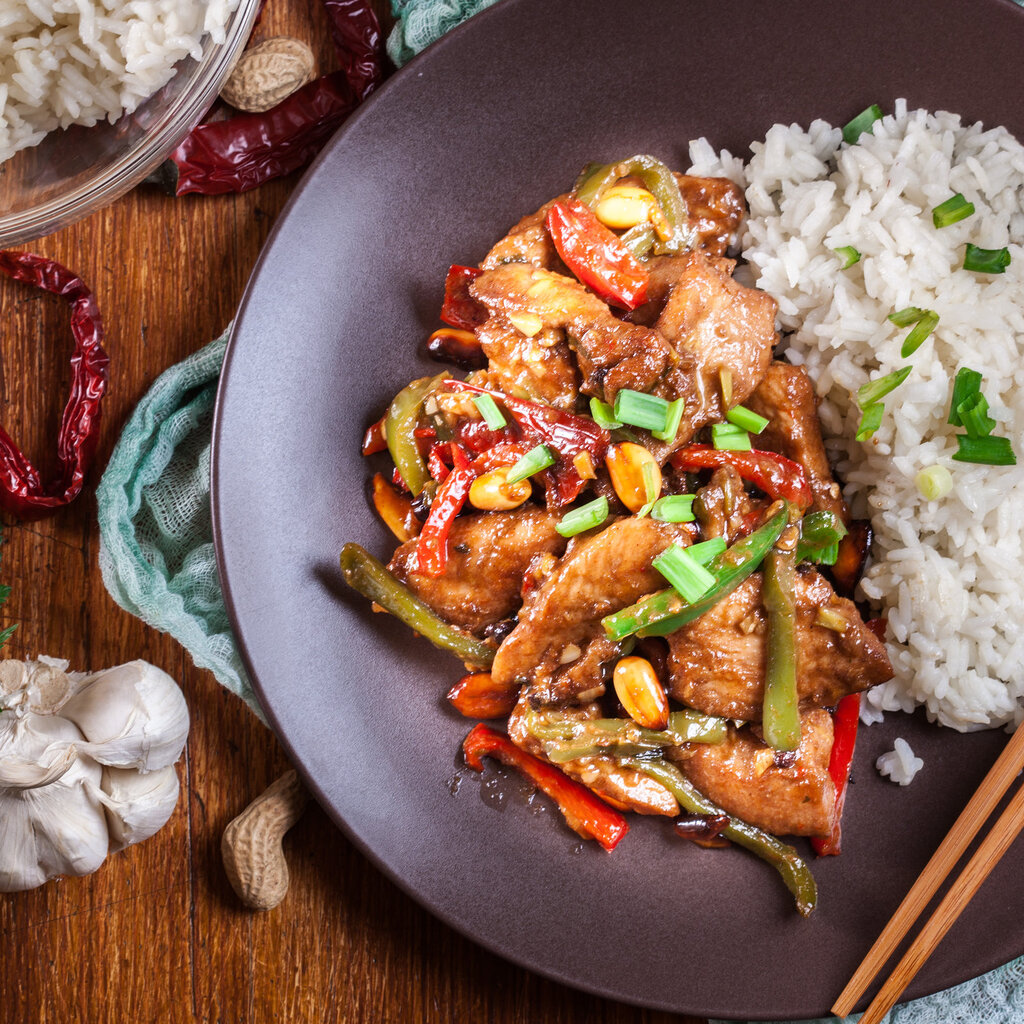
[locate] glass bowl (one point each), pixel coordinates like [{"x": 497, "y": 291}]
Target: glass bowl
[{"x": 76, "y": 171}]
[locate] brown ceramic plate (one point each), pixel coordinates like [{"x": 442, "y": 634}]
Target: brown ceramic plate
[{"x": 496, "y": 118}]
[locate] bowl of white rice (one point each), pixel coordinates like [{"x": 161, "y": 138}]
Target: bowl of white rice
[{"x": 94, "y": 94}]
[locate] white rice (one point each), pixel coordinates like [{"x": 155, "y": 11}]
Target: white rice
[
  {"x": 65, "y": 62},
  {"x": 900, "y": 764},
  {"x": 949, "y": 574}
]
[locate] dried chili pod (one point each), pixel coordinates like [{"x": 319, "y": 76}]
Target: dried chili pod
[
  {"x": 22, "y": 491},
  {"x": 357, "y": 40}
]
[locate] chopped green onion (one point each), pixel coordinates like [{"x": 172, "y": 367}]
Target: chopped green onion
[
  {"x": 746, "y": 419},
  {"x": 906, "y": 317},
  {"x": 532, "y": 462},
  {"x": 966, "y": 383},
  {"x": 953, "y": 209},
  {"x": 912, "y": 342},
  {"x": 870, "y": 420},
  {"x": 988, "y": 451},
  {"x": 674, "y": 508},
  {"x": 688, "y": 577},
  {"x": 490, "y": 411},
  {"x": 586, "y": 517},
  {"x": 652, "y": 488},
  {"x": 849, "y": 254},
  {"x": 602, "y": 414},
  {"x": 870, "y": 393},
  {"x": 973, "y": 415},
  {"x": 986, "y": 261},
  {"x": 707, "y": 549},
  {"x": 729, "y": 438},
  {"x": 672, "y": 420},
  {"x": 854, "y": 129},
  {"x": 820, "y": 534},
  {"x": 934, "y": 482},
  {"x": 641, "y": 410}
]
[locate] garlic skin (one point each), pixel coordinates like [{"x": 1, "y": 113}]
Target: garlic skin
[{"x": 86, "y": 764}]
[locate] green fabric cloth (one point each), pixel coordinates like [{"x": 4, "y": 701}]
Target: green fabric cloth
[{"x": 156, "y": 537}]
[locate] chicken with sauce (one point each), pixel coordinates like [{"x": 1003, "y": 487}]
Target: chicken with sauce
[{"x": 623, "y": 521}]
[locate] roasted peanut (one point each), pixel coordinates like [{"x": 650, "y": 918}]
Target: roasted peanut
[
  {"x": 633, "y": 484},
  {"x": 640, "y": 692}
]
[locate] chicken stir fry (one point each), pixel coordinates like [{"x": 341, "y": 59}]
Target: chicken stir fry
[{"x": 624, "y": 522}]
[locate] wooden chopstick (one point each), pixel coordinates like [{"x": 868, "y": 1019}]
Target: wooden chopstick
[
  {"x": 965, "y": 828},
  {"x": 985, "y": 858}
]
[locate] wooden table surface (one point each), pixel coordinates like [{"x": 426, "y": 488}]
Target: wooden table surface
[{"x": 157, "y": 934}]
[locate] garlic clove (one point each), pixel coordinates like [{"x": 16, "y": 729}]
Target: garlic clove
[
  {"x": 134, "y": 716},
  {"x": 39, "y": 686},
  {"x": 138, "y": 805}
]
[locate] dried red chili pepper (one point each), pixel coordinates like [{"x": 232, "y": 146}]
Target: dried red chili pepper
[
  {"x": 776, "y": 475},
  {"x": 432, "y": 546},
  {"x": 22, "y": 491},
  {"x": 844, "y": 740},
  {"x": 460, "y": 309}
]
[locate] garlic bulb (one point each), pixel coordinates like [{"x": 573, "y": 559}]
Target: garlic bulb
[{"x": 86, "y": 764}]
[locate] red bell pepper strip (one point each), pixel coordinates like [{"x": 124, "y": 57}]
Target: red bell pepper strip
[
  {"x": 432, "y": 545},
  {"x": 776, "y": 475},
  {"x": 585, "y": 813},
  {"x": 844, "y": 739},
  {"x": 22, "y": 491},
  {"x": 374, "y": 440},
  {"x": 436, "y": 464},
  {"x": 595, "y": 254},
  {"x": 460, "y": 309}
]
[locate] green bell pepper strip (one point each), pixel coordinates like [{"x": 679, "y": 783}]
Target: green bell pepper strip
[
  {"x": 664, "y": 612},
  {"x": 672, "y": 230},
  {"x": 399, "y": 426},
  {"x": 794, "y": 872},
  {"x": 781, "y": 709},
  {"x": 372, "y": 579}
]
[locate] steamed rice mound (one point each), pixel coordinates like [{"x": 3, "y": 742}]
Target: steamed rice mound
[
  {"x": 65, "y": 62},
  {"x": 948, "y": 574}
]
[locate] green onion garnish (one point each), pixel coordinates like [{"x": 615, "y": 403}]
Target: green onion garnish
[
  {"x": 641, "y": 410},
  {"x": 586, "y": 517},
  {"x": 953, "y": 209},
  {"x": 912, "y": 342},
  {"x": 674, "y": 508},
  {"x": 966, "y": 383},
  {"x": 870, "y": 393},
  {"x": 727, "y": 437},
  {"x": 973, "y": 415},
  {"x": 706, "y": 550},
  {"x": 746, "y": 419},
  {"x": 870, "y": 420},
  {"x": 986, "y": 261},
  {"x": 934, "y": 482},
  {"x": 602, "y": 414},
  {"x": 490, "y": 411},
  {"x": 906, "y": 317},
  {"x": 820, "y": 534},
  {"x": 849, "y": 256},
  {"x": 532, "y": 462},
  {"x": 652, "y": 488},
  {"x": 988, "y": 451},
  {"x": 854, "y": 129},
  {"x": 672, "y": 420},
  {"x": 688, "y": 577}
]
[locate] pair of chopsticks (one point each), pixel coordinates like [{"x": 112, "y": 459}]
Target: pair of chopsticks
[{"x": 985, "y": 858}]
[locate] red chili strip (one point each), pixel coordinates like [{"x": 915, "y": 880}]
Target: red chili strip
[
  {"x": 776, "y": 475},
  {"x": 374, "y": 440},
  {"x": 432, "y": 546},
  {"x": 585, "y": 813},
  {"x": 596, "y": 255},
  {"x": 477, "y": 695},
  {"x": 22, "y": 492},
  {"x": 460, "y": 309},
  {"x": 844, "y": 740},
  {"x": 436, "y": 464}
]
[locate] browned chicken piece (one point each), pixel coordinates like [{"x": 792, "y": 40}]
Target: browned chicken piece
[
  {"x": 716, "y": 324},
  {"x": 611, "y": 354},
  {"x": 743, "y": 777},
  {"x": 716, "y": 663},
  {"x": 559, "y": 647},
  {"x": 540, "y": 367},
  {"x": 786, "y": 399},
  {"x": 715, "y": 207},
  {"x": 488, "y": 555},
  {"x": 624, "y": 788},
  {"x": 527, "y": 242},
  {"x": 723, "y": 505},
  {"x": 664, "y": 272}
]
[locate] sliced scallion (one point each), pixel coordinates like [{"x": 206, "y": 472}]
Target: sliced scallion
[
  {"x": 934, "y": 482},
  {"x": 603, "y": 415},
  {"x": 532, "y": 462},
  {"x": 746, "y": 419},
  {"x": 953, "y": 209},
  {"x": 966, "y": 383},
  {"x": 862, "y": 123},
  {"x": 490, "y": 411},
  {"x": 913, "y": 341},
  {"x": 641, "y": 410},
  {"x": 707, "y": 549},
  {"x": 870, "y": 393},
  {"x": 973, "y": 415},
  {"x": 986, "y": 261},
  {"x": 906, "y": 317},
  {"x": 652, "y": 488},
  {"x": 988, "y": 451},
  {"x": 820, "y": 534},
  {"x": 688, "y": 577},
  {"x": 672, "y": 420},
  {"x": 584, "y": 518},
  {"x": 849, "y": 256},
  {"x": 727, "y": 437},
  {"x": 674, "y": 508},
  {"x": 870, "y": 420}
]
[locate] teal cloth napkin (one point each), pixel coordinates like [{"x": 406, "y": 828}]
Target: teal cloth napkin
[{"x": 156, "y": 538}]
